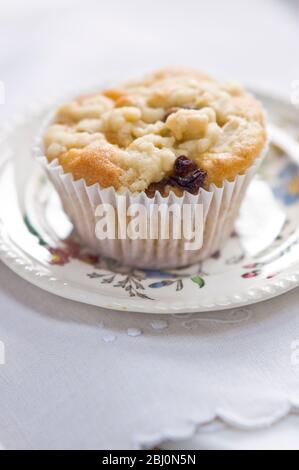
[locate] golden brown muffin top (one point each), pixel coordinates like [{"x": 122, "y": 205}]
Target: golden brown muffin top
[{"x": 147, "y": 131}]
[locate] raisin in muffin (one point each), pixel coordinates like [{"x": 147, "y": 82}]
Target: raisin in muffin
[
  {"x": 176, "y": 131},
  {"x": 130, "y": 137}
]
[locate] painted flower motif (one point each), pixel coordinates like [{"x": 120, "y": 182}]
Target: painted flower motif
[
  {"x": 131, "y": 282},
  {"x": 58, "y": 257},
  {"x": 88, "y": 258},
  {"x": 252, "y": 274},
  {"x": 199, "y": 281},
  {"x": 72, "y": 247},
  {"x": 72, "y": 250},
  {"x": 159, "y": 284},
  {"x": 288, "y": 189},
  {"x": 272, "y": 275}
]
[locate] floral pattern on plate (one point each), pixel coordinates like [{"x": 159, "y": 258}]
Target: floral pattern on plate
[
  {"x": 143, "y": 283},
  {"x": 36, "y": 241}
]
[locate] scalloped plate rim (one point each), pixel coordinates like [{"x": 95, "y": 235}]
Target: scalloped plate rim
[
  {"x": 162, "y": 308},
  {"x": 280, "y": 285}
]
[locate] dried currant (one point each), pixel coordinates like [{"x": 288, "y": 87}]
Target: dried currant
[
  {"x": 186, "y": 176},
  {"x": 191, "y": 182},
  {"x": 153, "y": 187},
  {"x": 183, "y": 166}
]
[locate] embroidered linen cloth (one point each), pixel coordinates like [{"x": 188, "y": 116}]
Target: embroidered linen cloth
[{"x": 77, "y": 376}]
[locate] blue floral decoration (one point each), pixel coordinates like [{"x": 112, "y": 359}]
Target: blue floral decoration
[{"x": 288, "y": 188}]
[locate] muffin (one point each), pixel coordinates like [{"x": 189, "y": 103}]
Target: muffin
[{"x": 175, "y": 135}]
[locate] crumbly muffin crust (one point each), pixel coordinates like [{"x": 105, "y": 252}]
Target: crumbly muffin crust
[{"x": 131, "y": 136}]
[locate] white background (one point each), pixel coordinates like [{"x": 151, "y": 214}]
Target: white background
[{"x": 50, "y": 46}]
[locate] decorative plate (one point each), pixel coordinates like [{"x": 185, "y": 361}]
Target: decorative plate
[{"x": 260, "y": 261}]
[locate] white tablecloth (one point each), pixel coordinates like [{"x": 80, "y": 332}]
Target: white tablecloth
[
  {"x": 73, "y": 377},
  {"x": 280, "y": 436}
]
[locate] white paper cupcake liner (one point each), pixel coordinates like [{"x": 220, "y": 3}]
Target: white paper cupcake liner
[{"x": 220, "y": 210}]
